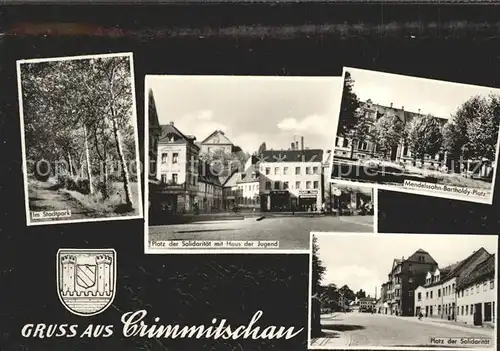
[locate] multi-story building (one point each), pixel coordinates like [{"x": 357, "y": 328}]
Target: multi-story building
[
  {"x": 476, "y": 295},
  {"x": 176, "y": 187},
  {"x": 405, "y": 276},
  {"x": 291, "y": 179},
  {"x": 436, "y": 297},
  {"x": 210, "y": 190},
  {"x": 217, "y": 142},
  {"x": 367, "y": 304},
  {"x": 366, "y": 147}
]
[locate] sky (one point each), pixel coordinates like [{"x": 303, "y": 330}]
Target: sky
[
  {"x": 364, "y": 261},
  {"x": 251, "y": 110},
  {"x": 438, "y": 98}
]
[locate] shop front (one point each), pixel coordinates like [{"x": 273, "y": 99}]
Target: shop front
[
  {"x": 275, "y": 201},
  {"x": 308, "y": 200}
]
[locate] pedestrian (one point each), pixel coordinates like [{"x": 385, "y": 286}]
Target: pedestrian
[{"x": 420, "y": 315}]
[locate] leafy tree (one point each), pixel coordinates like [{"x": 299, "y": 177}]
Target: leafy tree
[
  {"x": 388, "y": 133},
  {"x": 347, "y": 293},
  {"x": 261, "y": 149},
  {"x": 360, "y": 130},
  {"x": 454, "y": 140},
  {"x": 318, "y": 270},
  {"x": 424, "y": 137},
  {"x": 361, "y": 294},
  {"x": 348, "y": 117}
]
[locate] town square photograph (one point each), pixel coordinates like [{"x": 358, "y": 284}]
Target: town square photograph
[
  {"x": 243, "y": 162},
  {"x": 421, "y": 291},
  {"x": 417, "y": 135},
  {"x": 79, "y": 139}
]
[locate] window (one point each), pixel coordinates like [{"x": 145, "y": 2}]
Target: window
[
  {"x": 268, "y": 185},
  {"x": 315, "y": 170},
  {"x": 316, "y": 184},
  {"x": 453, "y": 288},
  {"x": 477, "y": 288},
  {"x": 462, "y": 313},
  {"x": 285, "y": 185},
  {"x": 268, "y": 170},
  {"x": 297, "y": 170},
  {"x": 285, "y": 170},
  {"x": 164, "y": 158},
  {"x": 467, "y": 310},
  {"x": 308, "y": 185},
  {"x": 471, "y": 309},
  {"x": 419, "y": 296},
  {"x": 492, "y": 284},
  {"x": 276, "y": 170},
  {"x": 485, "y": 286},
  {"x": 466, "y": 292},
  {"x": 410, "y": 293},
  {"x": 308, "y": 170},
  {"x": 345, "y": 143},
  {"x": 297, "y": 185},
  {"x": 439, "y": 310},
  {"x": 426, "y": 294},
  {"x": 276, "y": 185},
  {"x": 431, "y": 294},
  {"x": 175, "y": 158},
  {"x": 439, "y": 292},
  {"x": 163, "y": 177},
  {"x": 175, "y": 177}
]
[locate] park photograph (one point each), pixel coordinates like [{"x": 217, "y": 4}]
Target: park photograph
[
  {"x": 79, "y": 139},
  {"x": 417, "y": 135}
]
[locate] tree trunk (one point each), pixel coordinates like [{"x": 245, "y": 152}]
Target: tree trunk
[
  {"x": 104, "y": 187},
  {"x": 70, "y": 165},
  {"x": 125, "y": 175},
  {"x": 87, "y": 156}
]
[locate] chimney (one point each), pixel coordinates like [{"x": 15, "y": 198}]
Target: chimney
[
  {"x": 418, "y": 111},
  {"x": 293, "y": 146},
  {"x": 296, "y": 145},
  {"x": 391, "y": 104},
  {"x": 301, "y": 143},
  {"x": 403, "y": 108},
  {"x": 171, "y": 123}
]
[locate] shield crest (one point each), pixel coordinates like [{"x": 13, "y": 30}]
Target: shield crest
[{"x": 86, "y": 279}]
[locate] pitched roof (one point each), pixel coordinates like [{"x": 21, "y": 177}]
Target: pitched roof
[
  {"x": 484, "y": 270},
  {"x": 456, "y": 270},
  {"x": 216, "y": 132},
  {"x": 169, "y": 129},
  {"x": 306, "y": 155}
]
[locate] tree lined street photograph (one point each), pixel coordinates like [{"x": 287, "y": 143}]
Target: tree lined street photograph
[
  {"x": 425, "y": 136},
  {"x": 80, "y": 143},
  {"x": 402, "y": 290}
]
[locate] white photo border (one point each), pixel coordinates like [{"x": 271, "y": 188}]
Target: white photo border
[
  {"x": 389, "y": 348},
  {"x": 166, "y": 251},
  {"x": 402, "y": 189},
  {"x": 139, "y": 199}
]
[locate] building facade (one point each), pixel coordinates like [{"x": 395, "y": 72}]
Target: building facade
[
  {"x": 367, "y": 304},
  {"x": 210, "y": 190},
  {"x": 403, "y": 279},
  {"x": 291, "y": 180},
  {"x": 439, "y": 295},
  {"x": 217, "y": 142},
  {"x": 365, "y": 148},
  {"x": 476, "y": 295}
]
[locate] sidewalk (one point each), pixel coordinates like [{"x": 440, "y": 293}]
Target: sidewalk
[
  {"x": 332, "y": 339},
  {"x": 449, "y": 324}
]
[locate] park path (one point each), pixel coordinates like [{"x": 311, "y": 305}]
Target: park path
[{"x": 44, "y": 197}]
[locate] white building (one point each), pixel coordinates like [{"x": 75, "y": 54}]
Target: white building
[
  {"x": 291, "y": 180},
  {"x": 215, "y": 143},
  {"x": 438, "y": 297},
  {"x": 476, "y": 295}
]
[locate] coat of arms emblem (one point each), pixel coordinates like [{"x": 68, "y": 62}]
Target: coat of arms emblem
[{"x": 86, "y": 279}]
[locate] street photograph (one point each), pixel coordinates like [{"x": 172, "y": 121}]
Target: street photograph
[
  {"x": 242, "y": 163},
  {"x": 79, "y": 139},
  {"x": 415, "y": 291},
  {"x": 417, "y": 135}
]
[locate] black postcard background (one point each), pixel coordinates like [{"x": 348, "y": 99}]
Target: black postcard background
[{"x": 450, "y": 42}]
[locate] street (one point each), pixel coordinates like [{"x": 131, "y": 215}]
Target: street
[
  {"x": 292, "y": 232},
  {"x": 366, "y": 329}
]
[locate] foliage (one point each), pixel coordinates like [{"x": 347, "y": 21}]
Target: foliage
[
  {"x": 388, "y": 132},
  {"x": 79, "y": 112},
  {"x": 361, "y": 294},
  {"x": 318, "y": 269},
  {"x": 348, "y": 117},
  {"x": 424, "y": 136}
]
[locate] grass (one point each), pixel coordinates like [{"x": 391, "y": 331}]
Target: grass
[
  {"x": 113, "y": 205},
  {"x": 454, "y": 179}
]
